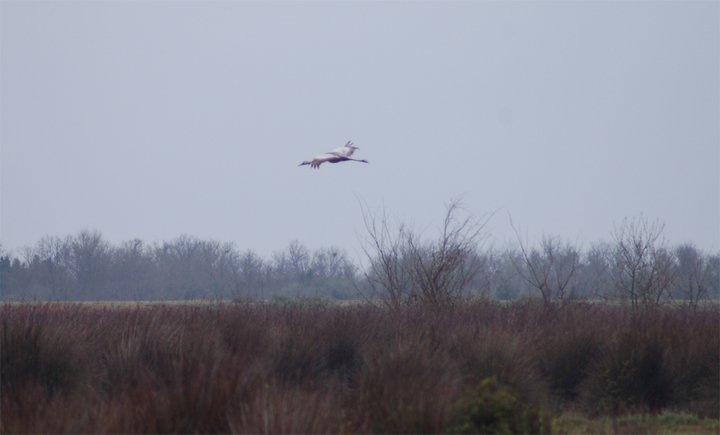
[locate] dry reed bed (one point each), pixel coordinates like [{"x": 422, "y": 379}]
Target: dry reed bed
[{"x": 329, "y": 369}]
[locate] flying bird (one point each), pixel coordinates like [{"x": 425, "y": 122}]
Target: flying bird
[{"x": 341, "y": 154}]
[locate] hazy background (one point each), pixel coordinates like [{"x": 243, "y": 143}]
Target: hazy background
[{"x": 150, "y": 120}]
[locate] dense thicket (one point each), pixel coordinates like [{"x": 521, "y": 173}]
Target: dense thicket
[
  {"x": 314, "y": 368},
  {"x": 87, "y": 267}
]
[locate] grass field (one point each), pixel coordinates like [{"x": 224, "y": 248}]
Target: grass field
[{"x": 323, "y": 368}]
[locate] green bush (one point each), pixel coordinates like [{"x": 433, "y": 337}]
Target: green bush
[{"x": 492, "y": 408}]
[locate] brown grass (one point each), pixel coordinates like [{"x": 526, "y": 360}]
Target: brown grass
[{"x": 333, "y": 369}]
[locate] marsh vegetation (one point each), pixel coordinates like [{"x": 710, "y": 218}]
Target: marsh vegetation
[{"x": 324, "y": 368}]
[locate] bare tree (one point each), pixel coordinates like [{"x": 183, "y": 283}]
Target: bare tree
[
  {"x": 333, "y": 274},
  {"x": 251, "y": 279},
  {"x": 132, "y": 269},
  {"x": 642, "y": 266},
  {"x": 192, "y": 268},
  {"x": 713, "y": 264},
  {"x": 91, "y": 260},
  {"x": 484, "y": 283},
  {"x": 548, "y": 268},
  {"x": 387, "y": 276},
  {"x": 441, "y": 269},
  {"x": 405, "y": 268},
  {"x": 593, "y": 275},
  {"x": 505, "y": 282},
  {"x": 49, "y": 267},
  {"x": 694, "y": 274}
]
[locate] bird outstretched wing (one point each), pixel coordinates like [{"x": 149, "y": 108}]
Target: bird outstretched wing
[{"x": 344, "y": 151}]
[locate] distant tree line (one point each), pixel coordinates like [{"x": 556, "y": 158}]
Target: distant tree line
[
  {"x": 402, "y": 268},
  {"x": 87, "y": 267}
]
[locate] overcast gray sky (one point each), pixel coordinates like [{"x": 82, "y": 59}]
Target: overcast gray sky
[{"x": 153, "y": 119}]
